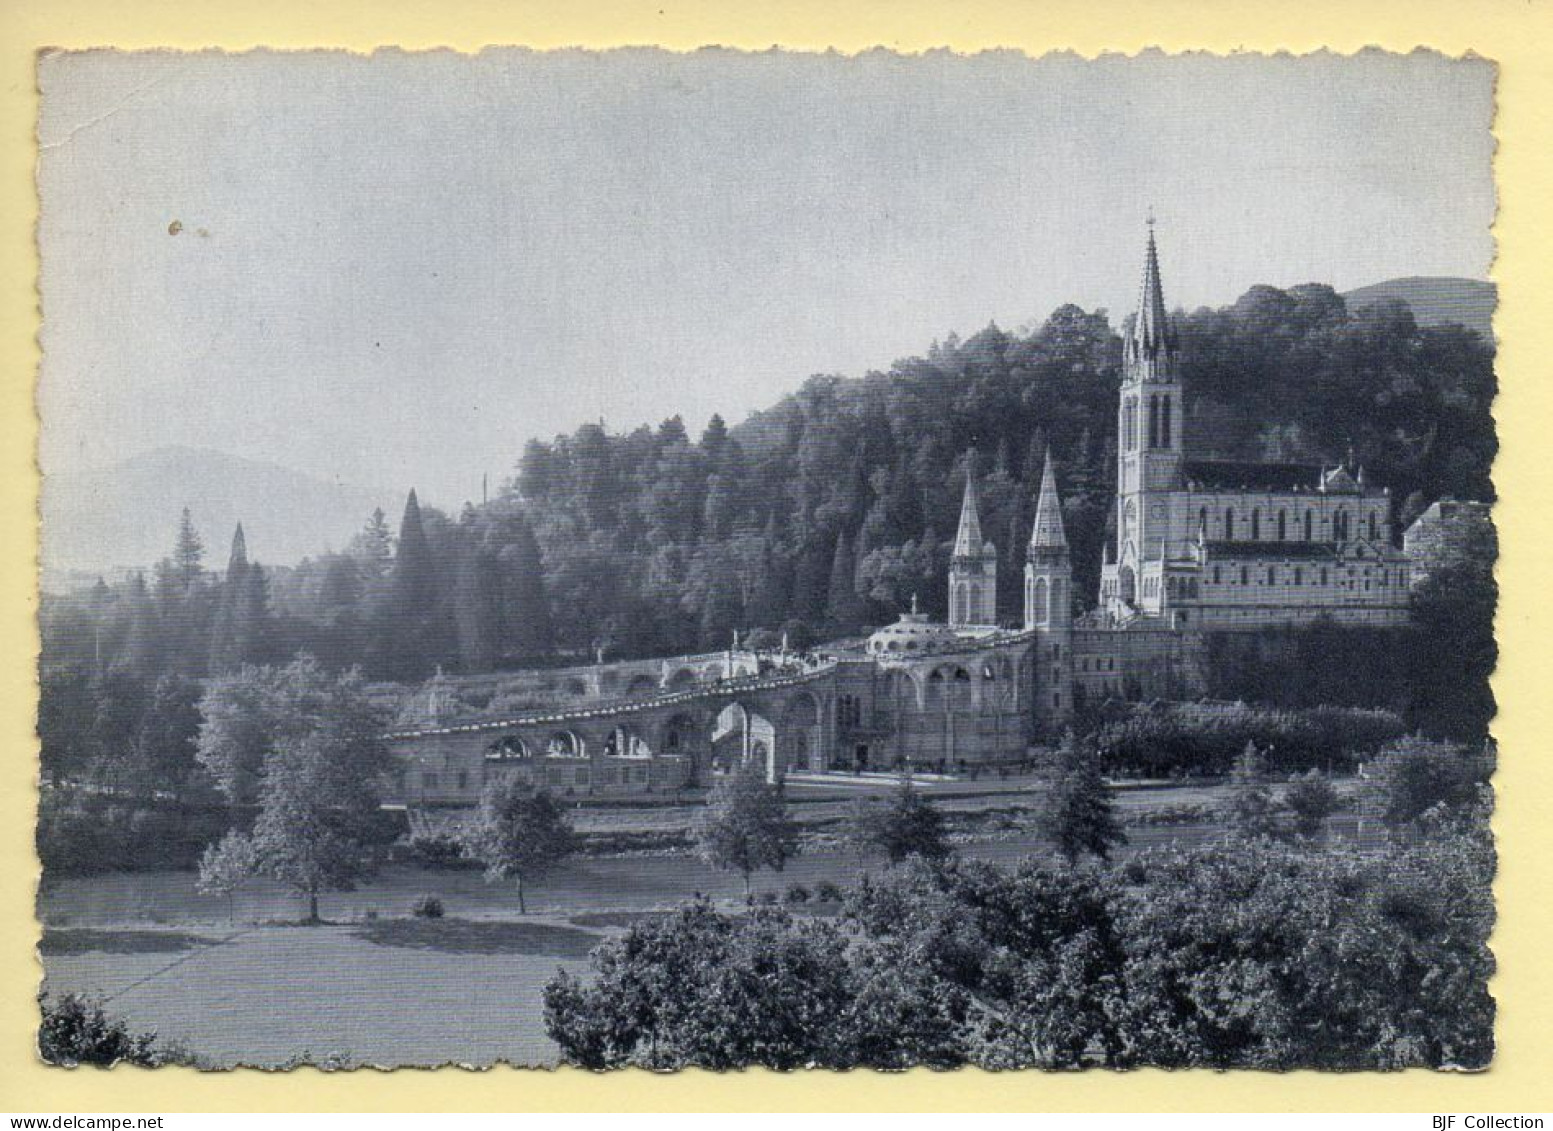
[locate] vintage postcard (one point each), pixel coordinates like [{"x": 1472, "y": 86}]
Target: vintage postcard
[{"x": 728, "y": 559}]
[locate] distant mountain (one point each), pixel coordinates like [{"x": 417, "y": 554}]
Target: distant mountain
[
  {"x": 126, "y": 516},
  {"x": 1436, "y": 300}
]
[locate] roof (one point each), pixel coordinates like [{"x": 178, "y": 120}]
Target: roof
[
  {"x": 1273, "y": 550},
  {"x": 968, "y": 542},
  {"x": 1234, "y": 475},
  {"x": 1047, "y": 532},
  {"x": 1150, "y": 330}
]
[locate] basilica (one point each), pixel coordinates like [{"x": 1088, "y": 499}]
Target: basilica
[{"x": 1201, "y": 547}]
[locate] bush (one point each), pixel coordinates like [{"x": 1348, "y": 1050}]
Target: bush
[
  {"x": 427, "y": 907},
  {"x": 83, "y": 834},
  {"x": 76, "y": 1030},
  {"x": 797, "y": 893},
  {"x": 1156, "y": 740},
  {"x": 439, "y": 850},
  {"x": 763, "y": 899},
  {"x": 826, "y": 892}
]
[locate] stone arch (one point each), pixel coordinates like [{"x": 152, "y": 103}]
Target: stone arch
[
  {"x": 508, "y": 748},
  {"x": 802, "y": 734},
  {"x": 623, "y": 741},
  {"x": 740, "y": 734},
  {"x": 565, "y": 744},
  {"x": 962, "y": 689},
  {"x": 681, "y": 679},
  {"x": 936, "y": 695}
]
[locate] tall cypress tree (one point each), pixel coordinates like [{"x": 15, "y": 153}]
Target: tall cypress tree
[
  {"x": 225, "y": 650},
  {"x": 527, "y": 630},
  {"x": 844, "y": 609}
]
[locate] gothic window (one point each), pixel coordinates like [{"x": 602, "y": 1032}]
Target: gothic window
[
  {"x": 1372, "y": 527},
  {"x": 1299, "y": 576},
  {"x": 1153, "y": 422},
  {"x": 1272, "y": 575},
  {"x": 972, "y": 606},
  {"x": 1340, "y": 526},
  {"x": 1229, "y": 524},
  {"x": 1041, "y": 609},
  {"x": 1202, "y": 520},
  {"x": 1256, "y": 524},
  {"x": 1218, "y": 575},
  {"x": 1323, "y": 575},
  {"x": 1164, "y": 427},
  {"x": 1130, "y": 425},
  {"x": 1309, "y": 524},
  {"x": 1245, "y": 576},
  {"x": 1283, "y": 525}
]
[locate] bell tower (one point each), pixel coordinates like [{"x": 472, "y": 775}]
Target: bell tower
[
  {"x": 973, "y": 569},
  {"x": 1049, "y": 604},
  {"x": 1149, "y": 430}
]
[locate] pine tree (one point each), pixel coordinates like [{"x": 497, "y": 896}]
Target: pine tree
[
  {"x": 142, "y": 653},
  {"x": 1252, "y": 810},
  {"x": 714, "y": 439},
  {"x": 1079, "y": 815},
  {"x": 225, "y": 649},
  {"x": 189, "y": 551},
  {"x": 477, "y": 607},
  {"x": 844, "y": 609},
  {"x": 412, "y": 630},
  {"x": 373, "y": 547},
  {"x": 527, "y": 631}
]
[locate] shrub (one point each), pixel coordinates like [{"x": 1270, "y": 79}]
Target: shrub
[
  {"x": 438, "y": 850},
  {"x": 826, "y": 892},
  {"x": 1157, "y": 740},
  {"x": 797, "y": 893},
  {"x": 427, "y": 907},
  {"x": 76, "y": 1030},
  {"x": 763, "y": 899}
]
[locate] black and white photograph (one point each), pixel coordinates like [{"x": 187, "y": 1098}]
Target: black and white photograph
[{"x": 766, "y": 559}]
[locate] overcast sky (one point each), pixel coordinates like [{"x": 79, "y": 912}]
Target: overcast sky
[{"x": 394, "y": 270}]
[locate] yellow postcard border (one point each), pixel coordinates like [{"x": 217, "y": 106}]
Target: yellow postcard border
[{"x": 1516, "y": 35}]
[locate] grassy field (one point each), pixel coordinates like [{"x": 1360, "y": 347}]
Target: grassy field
[{"x": 235, "y": 983}]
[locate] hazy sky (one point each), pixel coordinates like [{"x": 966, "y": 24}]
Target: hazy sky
[{"x": 394, "y": 270}]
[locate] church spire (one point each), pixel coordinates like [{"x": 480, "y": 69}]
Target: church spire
[
  {"x": 1150, "y": 327},
  {"x": 968, "y": 541},
  {"x": 239, "y": 559},
  {"x": 1048, "y": 534}
]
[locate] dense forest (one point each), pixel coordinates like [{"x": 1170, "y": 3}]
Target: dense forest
[{"x": 817, "y": 517}]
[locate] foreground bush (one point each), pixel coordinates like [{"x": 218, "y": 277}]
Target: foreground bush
[
  {"x": 1245, "y": 954},
  {"x": 75, "y": 1030}
]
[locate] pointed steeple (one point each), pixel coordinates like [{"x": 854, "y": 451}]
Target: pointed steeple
[
  {"x": 968, "y": 541},
  {"x": 1048, "y": 534},
  {"x": 239, "y": 559},
  {"x": 1150, "y": 327}
]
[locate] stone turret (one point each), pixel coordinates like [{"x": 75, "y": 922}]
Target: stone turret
[
  {"x": 1049, "y": 606},
  {"x": 973, "y": 569}
]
